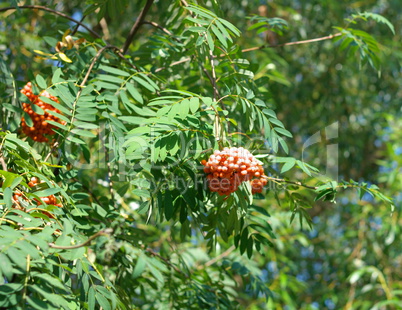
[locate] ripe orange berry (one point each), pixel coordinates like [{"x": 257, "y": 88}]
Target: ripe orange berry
[
  {"x": 40, "y": 124},
  {"x": 228, "y": 168}
]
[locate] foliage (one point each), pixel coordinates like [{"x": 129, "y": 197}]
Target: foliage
[{"x": 138, "y": 226}]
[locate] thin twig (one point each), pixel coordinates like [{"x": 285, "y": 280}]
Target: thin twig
[
  {"x": 43, "y": 8},
  {"x": 24, "y": 294},
  {"x": 174, "y": 64},
  {"x": 118, "y": 52},
  {"x": 257, "y": 48},
  {"x": 78, "y": 25},
  {"x": 87, "y": 189},
  {"x": 105, "y": 232},
  {"x": 159, "y": 27},
  {"x": 136, "y": 26},
  {"x": 3, "y": 163},
  {"x": 291, "y": 43},
  {"x": 54, "y": 146},
  {"x": 167, "y": 261},
  {"x": 219, "y": 134},
  {"x": 105, "y": 28},
  {"x": 290, "y": 182},
  {"x": 219, "y": 257},
  {"x": 84, "y": 81},
  {"x": 109, "y": 175},
  {"x": 214, "y": 86},
  {"x": 91, "y": 66}
]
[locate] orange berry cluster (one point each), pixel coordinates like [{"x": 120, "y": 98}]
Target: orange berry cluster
[
  {"x": 40, "y": 126},
  {"x": 49, "y": 200},
  {"x": 228, "y": 168}
]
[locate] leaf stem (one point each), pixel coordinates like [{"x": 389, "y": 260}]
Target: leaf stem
[
  {"x": 43, "y": 8},
  {"x": 291, "y": 43},
  {"x": 105, "y": 232},
  {"x": 136, "y": 26}
]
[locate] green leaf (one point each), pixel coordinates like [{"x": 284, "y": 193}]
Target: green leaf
[
  {"x": 41, "y": 81},
  {"x": 6, "y": 267},
  {"x": 250, "y": 248},
  {"x": 17, "y": 257},
  {"x": 379, "y": 19},
  {"x": 102, "y": 301},
  {"x": 139, "y": 266},
  {"x": 114, "y": 71},
  {"x": 184, "y": 108},
  {"x": 167, "y": 205},
  {"x": 277, "y": 122},
  {"x": 37, "y": 303},
  {"x": 28, "y": 119},
  {"x": 28, "y": 248},
  {"x": 134, "y": 93},
  {"x": 196, "y": 29},
  {"x": 219, "y": 35},
  {"x": 110, "y": 78},
  {"x": 53, "y": 281},
  {"x": 210, "y": 41},
  {"x": 10, "y": 288},
  {"x": 243, "y": 240},
  {"x": 47, "y": 192},
  {"x": 282, "y": 142},
  {"x": 303, "y": 167},
  {"x": 105, "y": 85},
  {"x": 144, "y": 83},
  {"x": 194, "y": 104},
  {"x": 8, "y": 193},
  {"x": 56, "y": 76},
  {"x": 283, "y": 132},
  {"x": 155, "y": 272},
  {"x": 230, "y": 27},
  {"x": 91, "y": 298},
  {"x": 288, "y": 165}
]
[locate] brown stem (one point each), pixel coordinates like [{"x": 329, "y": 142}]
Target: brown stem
[
  {"x": 153, "y": 253},
  {"x": 175, "y": 64},
  {"x": 43, "y": 8},
  {"x": 78, "y": 25},
  {"x": 159, "y": 27},
  {"x": 258, "y": 48},
  {"x": 291, "y": 43},
  {"x": 290, "y": 182},
  {"x": 91, "y": 66},
  {"x": 3, "y": 163},
  {"x": 219, "y": 257},
  {"x": 105, "y": 232},
  {"x": 136, "y": 26},
  {"x": 105, "y": 28},
  {"x": 214, "y": 86}
]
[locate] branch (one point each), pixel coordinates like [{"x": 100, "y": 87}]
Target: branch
[
  {"x": 43, "y": 8},
  {"x": 167, "y": 261},
  {"x": 219, "y": 257},
  {"x": 175, "y": 64},
  {"x": 258, "y": 48},
  {"x": 290, "y": 182},
  {"x": 291, "y": 43},
  {"x": 3, "y": 162},
  {"x": 105, "y": 232},
  {"x": 78, "y": 25},
  {"x": 159, "y": 27},
  {"x": 136, "y": 26},
  {"x": 91, "y": 66}
]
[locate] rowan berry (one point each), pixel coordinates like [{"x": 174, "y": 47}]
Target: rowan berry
[
  {"x": 40, "y": 122},
  {"x": 228, "y": 168}
]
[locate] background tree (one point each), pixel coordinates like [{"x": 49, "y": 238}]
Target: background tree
[{"x": 114, "y": 211}]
